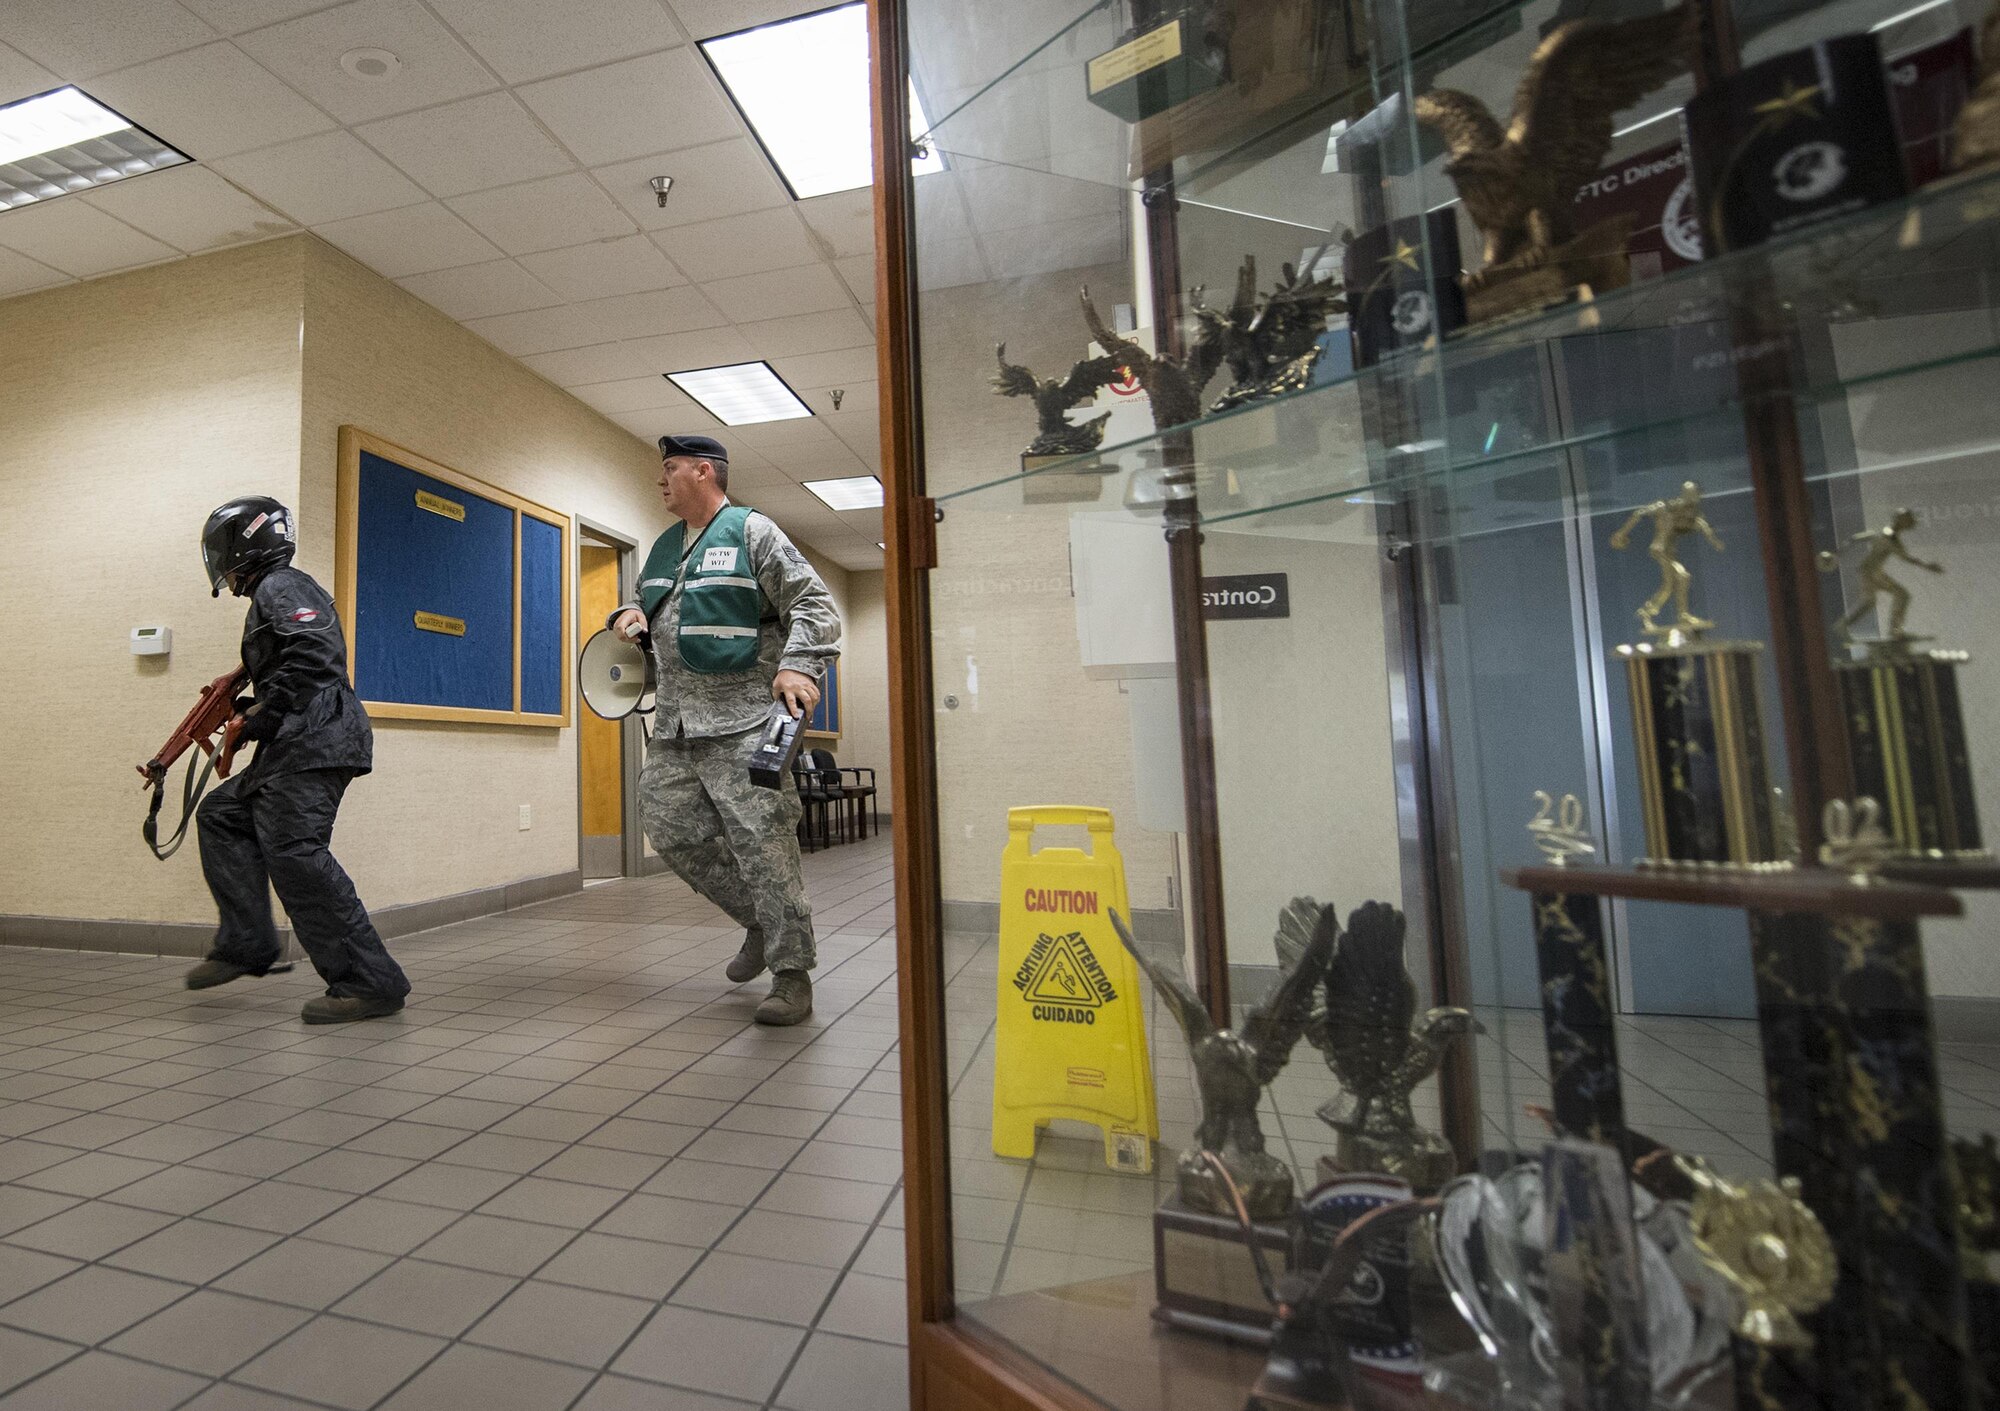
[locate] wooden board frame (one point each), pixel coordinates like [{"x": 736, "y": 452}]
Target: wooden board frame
[{"x": 347, "y": 553}]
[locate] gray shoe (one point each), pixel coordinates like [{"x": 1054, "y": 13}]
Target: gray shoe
[
  {"x": 790, "y": 1000},
  {"x": 210, "y": 973},
  {"x": 345, "y": 1009},
  {"x": 747, "y": 963}
]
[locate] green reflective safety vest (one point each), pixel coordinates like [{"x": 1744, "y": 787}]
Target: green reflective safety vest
[{"x": 721, "y": 603}]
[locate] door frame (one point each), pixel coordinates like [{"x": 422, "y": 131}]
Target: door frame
[{"x": 631, "y": 734}]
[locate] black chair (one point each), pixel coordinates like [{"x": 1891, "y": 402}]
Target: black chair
[
  {"x": 821, "y": 793},
  {"x": 867, "y": 818},
  {"x": 840, "y": 799}
]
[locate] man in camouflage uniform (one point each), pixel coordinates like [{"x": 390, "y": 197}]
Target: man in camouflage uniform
[{"x": 733, "y": 842}]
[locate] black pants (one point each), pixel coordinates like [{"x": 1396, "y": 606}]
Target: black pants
[{"x": 278, "y": 834}]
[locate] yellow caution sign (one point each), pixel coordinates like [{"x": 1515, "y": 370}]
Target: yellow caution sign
[{"x": 1072, "y": 1036}]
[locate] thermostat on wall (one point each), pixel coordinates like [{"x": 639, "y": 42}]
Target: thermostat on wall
[{"x": 152, "y": 641}]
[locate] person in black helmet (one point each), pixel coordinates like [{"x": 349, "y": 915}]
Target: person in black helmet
[{"x": 272, "y": 822}]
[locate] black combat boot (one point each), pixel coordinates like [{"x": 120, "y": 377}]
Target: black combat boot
[{"x": 345, "y": 1009}]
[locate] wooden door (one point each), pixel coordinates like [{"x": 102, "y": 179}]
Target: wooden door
[{"x": 601, "y": 796}]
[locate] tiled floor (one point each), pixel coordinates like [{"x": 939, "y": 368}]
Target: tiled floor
[{"x": 570, "y": 1175}]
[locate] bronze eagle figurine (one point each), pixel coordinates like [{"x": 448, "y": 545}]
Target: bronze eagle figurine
[
  {"x": 1367, "y": 1028},
  {"x": 1519, "y": 183},
  {"x": 1233, "y": 1067},
  {"x": 1056, "y": 435},
  {"x": 1272, "y": 344},
  {"x": 1173, "y": 385}
]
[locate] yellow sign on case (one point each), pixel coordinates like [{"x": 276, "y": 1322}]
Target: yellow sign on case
[{"x": 1071, "y": 1040}]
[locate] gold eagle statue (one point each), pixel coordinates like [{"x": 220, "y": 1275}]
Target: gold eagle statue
[{"x": 1519, "y": 183}]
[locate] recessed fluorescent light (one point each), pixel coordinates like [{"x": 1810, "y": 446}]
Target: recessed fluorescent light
[
  {"x": 741, "y": 393},
  {"x": 1647, "y": 122},
  {"x": 860, "y": 492},
  {"x": 802, "y": 85},
  {"x": 64, "y": 140}
]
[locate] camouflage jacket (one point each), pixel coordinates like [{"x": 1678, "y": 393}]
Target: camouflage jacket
[{"x": 799, "y": 631}]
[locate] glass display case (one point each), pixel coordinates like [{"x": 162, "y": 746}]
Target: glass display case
[{"x": 1441, "y": 568}]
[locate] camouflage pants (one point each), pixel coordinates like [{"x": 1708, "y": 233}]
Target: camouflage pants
[{"x": 731, "y": 841}]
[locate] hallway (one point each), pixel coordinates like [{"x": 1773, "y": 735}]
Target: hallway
[{"x": 572, "y": 1174}]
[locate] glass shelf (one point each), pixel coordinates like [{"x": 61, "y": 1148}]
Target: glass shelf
[{"x": 1933, "y": 252}]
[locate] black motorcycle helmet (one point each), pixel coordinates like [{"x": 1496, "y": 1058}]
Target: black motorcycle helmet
[{"x": 246, "y": 538}]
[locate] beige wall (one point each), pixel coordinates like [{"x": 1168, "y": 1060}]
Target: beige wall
[
  {"x": 129, "y": 408},
  {"x": 441, "y": 812},
  {"x": 864, "y": 663}
]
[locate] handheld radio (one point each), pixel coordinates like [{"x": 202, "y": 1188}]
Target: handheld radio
[{"x": 779, "y": 746}]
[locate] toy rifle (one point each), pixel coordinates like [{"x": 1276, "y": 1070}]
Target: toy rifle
[{"x": 213, "y": 716}]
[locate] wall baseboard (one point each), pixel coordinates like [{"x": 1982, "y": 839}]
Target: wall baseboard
[
  {"x": 1966, "y": 1018},
  {"x": 178, "y": 938},
  {"x": 1161, "y": 928}
]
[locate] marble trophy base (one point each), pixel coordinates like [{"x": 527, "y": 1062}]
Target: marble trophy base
[
  {"x": 1704, "y": 781},
  {"x": 1424, "y": 1159},
  {"x": 1907, "y": 742},
  {"x": 1204, "y": 1279}
]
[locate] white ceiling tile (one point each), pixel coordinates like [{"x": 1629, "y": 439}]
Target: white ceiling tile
[
  {"x": 544, "y": 215},
  {"x": 326, "y": 178},
  {"x": 720, "y": 179},
  {"x": 1021, "y": 251},
  {"x": 857, "y": 272},
  {"x": 745, "y": 244},
  {"x": 803, "y": 289},
  {"x": 808, "y": 333},
  {"x": 80, "y": 39},
  {"x": 604, "y": 269},
  {"x": 777, "y": 438},
  {"x": 657, "y": 314},
  {"x": 19, "y": 274},
  {"x": 845, "y": 221},
  {"x": 78, "y": 239},
  {"x": 236, "y": 16},
  {"x": 524, "y": 39},
  {"x": 711, "y": 347},
  {"x": 658, "y": 103},
  {"x": 835, "y": 369},
  {"x": 546, "y": 330},
  {"x": 947, "y": 264},
  {"x": 409, "y": 240},
  {"x": 189, "y": 207},
  {"x": 631, "y": 394},
  {"x": 435, "y": 67},
  {"x": 210, "y": 102},
  {"x": 481, "y": 291},
  {"x": 468, "y": 146},
  {"x": 603, "y": 362},
  {"x": 22, "y": 77},
  {"x": 707, "y": 18}
]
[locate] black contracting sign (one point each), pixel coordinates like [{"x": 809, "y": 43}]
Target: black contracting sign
[{"x": 1245, "y": 595}]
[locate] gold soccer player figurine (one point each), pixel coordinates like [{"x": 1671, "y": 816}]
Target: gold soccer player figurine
[
  {"x": 1883, "y": 544},
  {"x": 1672, "y": 519}
]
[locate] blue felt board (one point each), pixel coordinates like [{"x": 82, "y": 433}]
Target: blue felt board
[
  {"x": 541, "y": 617},
  {"x": 826, "y": 715},
  {"x": 410, "y": 560}
]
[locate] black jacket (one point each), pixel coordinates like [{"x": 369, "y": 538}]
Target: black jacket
[{"x": 297, "y": 659}]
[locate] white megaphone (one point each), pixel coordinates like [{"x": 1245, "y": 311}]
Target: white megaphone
[{"x": 615, "y": 675}]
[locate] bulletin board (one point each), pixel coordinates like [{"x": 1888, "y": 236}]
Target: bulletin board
[
  {"x": 455, "y": 595},
  {"x": 825, "y": 719}
]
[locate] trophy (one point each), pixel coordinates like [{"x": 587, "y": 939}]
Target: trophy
[
  {"x": 1056, "y": 436},
  {"x": 1977, "y": 143},
  {"x": 1695, "y": 713},
  {"x": 1272, "y": 345},
  {"x": 1519, "y": 180},
  {"x": 1905, "y": 729},
  {"x": 1362, "y": 1024},
  {"x": 1203, "y": 1277}
]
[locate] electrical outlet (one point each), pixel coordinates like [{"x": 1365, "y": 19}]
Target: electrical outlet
[{"x": 527, "y": 816}]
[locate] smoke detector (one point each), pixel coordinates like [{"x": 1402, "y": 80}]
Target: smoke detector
[{"x": 371, "y": 65}]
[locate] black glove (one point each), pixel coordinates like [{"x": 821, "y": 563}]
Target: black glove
[
  {"x": 243, "y": 705},
  {"x": 261, "y": 725}
]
